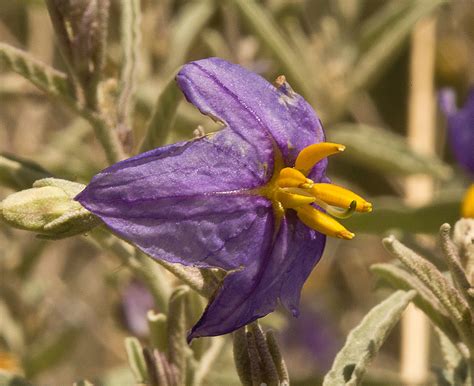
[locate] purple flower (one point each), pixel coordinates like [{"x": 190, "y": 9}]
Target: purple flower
[
  {"x": 242, "y": 199},
  {"x": 461, "y": 135},
  {"x": 460, "y": 126},
  {"x": 136, "y": 302}
]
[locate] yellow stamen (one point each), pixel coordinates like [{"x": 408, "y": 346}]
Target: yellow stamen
[
  {"x": 340, "y": 197},
  {"x": 293, "y": 197},
  {"x": 323, "y": 223},
  {"x": 467, "y": 209},
  {"x": 292, "y": 178},
  {"x": 311, "y": 155}
]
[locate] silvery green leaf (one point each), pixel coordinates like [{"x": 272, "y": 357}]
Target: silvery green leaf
[
  {"x": 18, "y": 174},
  {"x": 437, "y": 283},
  {"x": 384, "y": 151},
  {"x": 241, "y": 356},
  {"x": 453, "y": 261},
  {"x": 255, "y": 368},
  {"x": 462, "y": 236},
  {"x": 269, "y": 370},
  {"x": 365, "y": 340},
  {"x": 401, "y": 279},
  {"x": 451, "y": 354},
  {"x": 454, "y": 371},
  {"x": 46, "y": 78},
  {"x": 277, "y": 358},
  {"x": 136, "y": 359}
]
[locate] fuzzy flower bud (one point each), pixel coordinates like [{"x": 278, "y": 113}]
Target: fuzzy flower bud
[{"x": 49, "y": 209}]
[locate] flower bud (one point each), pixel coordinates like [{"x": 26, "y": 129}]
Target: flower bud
[{"x": 49, "y": 209}]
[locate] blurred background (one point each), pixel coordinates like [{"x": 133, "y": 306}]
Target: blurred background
[{"x": 65, "y": 305}]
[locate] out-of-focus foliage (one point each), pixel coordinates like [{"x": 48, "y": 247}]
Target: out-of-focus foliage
[{"x": 63, "y": 103}]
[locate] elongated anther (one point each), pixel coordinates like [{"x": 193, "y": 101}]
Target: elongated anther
[
  {"x": 294, "y": 197},
  {"x": 311, "y": 155},
  {"x": 291, "y": 178},
  {"x": 323, "y": 223},
  {"x": 341, "y": 197}
]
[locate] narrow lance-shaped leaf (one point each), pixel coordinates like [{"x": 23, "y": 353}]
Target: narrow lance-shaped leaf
[
  {"x": 384, "y": 151},
  {"x": 400, "y": 279},
  {"x": 277, "y": 358},
  {"x": 268, "y": 366},
  {"x": 454, "y": 264},
  {"x": 365, "y": 340},
  {"x": 454, "y": 370},
  {"x": 51, "y": 81},
  {"x": 19, "y": 174},
  {"x": 428, "y": 274},
  {"x": 241, "y": 356},
  {"x": 255, "y": 369}
]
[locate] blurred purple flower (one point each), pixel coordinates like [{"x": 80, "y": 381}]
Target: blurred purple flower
[
  {"x": 240, "y": 199},
  {"x": 460, "y": 126},
  {"x": 461, "y": 135},
  {"x": 313, "y": 336},
  {"x": 136, "y": 302}
]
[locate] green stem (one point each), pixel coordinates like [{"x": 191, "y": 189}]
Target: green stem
[{"x": 105, "y": 134}]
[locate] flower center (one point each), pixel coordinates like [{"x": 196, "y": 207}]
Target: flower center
[{"x": 290, "y": 188}]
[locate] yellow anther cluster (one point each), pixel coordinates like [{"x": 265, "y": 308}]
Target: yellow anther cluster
[{"x": 293, "y": 190}]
